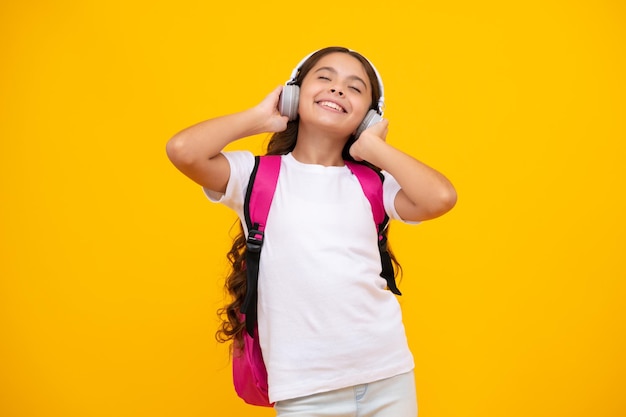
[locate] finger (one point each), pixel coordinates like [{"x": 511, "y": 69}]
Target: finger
[
  {"x": 278, "y": 89},
  {"x": 274, "y": 97},
  {"x": 380, "y": 128}
]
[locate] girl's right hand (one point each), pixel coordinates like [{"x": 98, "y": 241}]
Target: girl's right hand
[{"x": 268, "y": 111}]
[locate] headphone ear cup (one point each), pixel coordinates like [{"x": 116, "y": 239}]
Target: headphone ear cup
[
  {"x": 288, "y": 102},
  {"x": 371, "y": 118}
]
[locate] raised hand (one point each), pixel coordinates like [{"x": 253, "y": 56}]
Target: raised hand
[
  {"x": 268, "y": 111},
  {"x": 364, "y": 147}
]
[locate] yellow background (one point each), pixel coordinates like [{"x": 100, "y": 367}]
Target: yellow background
[{"x": 111, "y": 261}]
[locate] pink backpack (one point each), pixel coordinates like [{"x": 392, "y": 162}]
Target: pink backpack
[{"x": 249, "y": 372}]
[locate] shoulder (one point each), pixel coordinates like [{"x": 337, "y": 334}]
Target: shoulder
[
  {"x": 390, "y": 191},
  {"x": 241, "y": 165},
  {"x": 238, "y": 159},
  {"x": 389, "y": 181}
]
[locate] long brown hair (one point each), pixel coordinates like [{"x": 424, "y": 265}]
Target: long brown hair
[{"x": 281, "y": 143}]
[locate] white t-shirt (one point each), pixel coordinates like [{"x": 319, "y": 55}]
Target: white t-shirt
[{"x": 326, "y": 320}]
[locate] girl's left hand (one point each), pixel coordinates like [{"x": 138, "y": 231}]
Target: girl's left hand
[{"x": 364, "y": 147}]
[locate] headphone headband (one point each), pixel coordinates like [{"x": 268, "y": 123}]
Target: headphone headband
[{"x": 381, "y": 101}]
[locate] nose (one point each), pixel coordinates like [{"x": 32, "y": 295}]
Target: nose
[{"x": 334, "y": 90}]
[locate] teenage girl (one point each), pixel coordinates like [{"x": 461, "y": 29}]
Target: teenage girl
[{"x": 331, "y": 333}]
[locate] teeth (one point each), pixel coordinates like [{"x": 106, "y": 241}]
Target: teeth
[{"x": 331, "y": 105}]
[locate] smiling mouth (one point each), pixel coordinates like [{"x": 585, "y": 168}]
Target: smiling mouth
[{"x": 332, "y": 105}]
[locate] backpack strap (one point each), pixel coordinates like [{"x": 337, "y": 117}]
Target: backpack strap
[
  {"x": 372, "y": 185},
  {"x": 257, "y": 204},
  {"x": 259, "y": 196}
]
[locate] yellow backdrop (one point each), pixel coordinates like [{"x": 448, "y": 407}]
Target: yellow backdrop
[{"x": 111, "y": 262}]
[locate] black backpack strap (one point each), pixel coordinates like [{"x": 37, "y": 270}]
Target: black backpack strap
[
  {"x": 259, "y": 195},
  {"x": 385, "y": 257},
  {"x": 387, "y": 265},
  {"x": 371, "y": 182}
]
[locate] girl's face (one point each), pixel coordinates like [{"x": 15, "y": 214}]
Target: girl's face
[{"x": 335, "y": 93}]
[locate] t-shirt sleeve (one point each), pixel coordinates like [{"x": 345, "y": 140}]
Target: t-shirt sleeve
[
  {"x": 390, "y": 190},
  {"x": 241, "y": 166}
]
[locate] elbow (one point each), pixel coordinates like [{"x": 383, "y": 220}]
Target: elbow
[
  {"x": 178, "y": 152},
  {"x": 448, "y": 199},
  {"x": 439, "y": 205}
]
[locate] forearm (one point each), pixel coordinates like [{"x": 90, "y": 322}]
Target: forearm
[
  {"x": 426, "y": 193},
  {"x": 205, "y": 140}
]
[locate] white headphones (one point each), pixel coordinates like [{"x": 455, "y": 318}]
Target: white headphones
[{"x": 290, "y": 97}]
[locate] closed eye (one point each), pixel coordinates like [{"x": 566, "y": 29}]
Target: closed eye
[{"x": 326, "y": 70}]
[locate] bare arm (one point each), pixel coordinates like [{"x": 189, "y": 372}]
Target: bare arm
[
  {"x": 425, "y": 192},
  {"x": 196, "y": 150}
]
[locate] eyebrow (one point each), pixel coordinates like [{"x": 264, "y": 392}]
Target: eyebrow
[{"x": 351, "y": 77}]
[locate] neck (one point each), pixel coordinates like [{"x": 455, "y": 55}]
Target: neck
[{"x": 319, "y": 148}]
